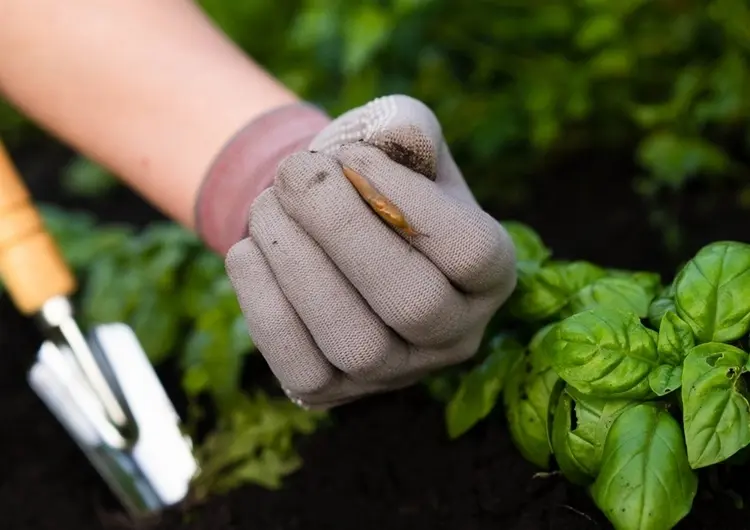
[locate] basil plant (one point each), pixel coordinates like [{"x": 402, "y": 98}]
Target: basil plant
[{"x": 625, "y": 385}]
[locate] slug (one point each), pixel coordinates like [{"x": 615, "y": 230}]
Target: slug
[{"x": 387, "y": 211}]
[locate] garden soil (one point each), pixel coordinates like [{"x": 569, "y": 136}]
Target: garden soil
[{"x": 385, "y": 463}]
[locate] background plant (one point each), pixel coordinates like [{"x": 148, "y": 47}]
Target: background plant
[
  {"x": 517, "y": 84},
  {"x": 627, "y": 386}
]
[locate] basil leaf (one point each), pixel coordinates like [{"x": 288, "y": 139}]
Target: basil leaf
[
  {"x": 156, "y": 322},
  {"x": 575, "y": 275},
  {"x": 660, "y": 305},
  {"x": 618, "y": 293},
  {"x": 529, "y": 388},
  {"x": 536, "y": 297},
  {"x": 579, "y": 432},
  {"x": 109, "y": 295},
  {"x": 604, "y": 352},
  {"x": 572, "y": 452},
  {"x": 715, "y": 410},
  {"x": 712, "y": 292},
  {"x": 665, "y": 379},
  {"x": 541, "y": 295},
  {"x": 645, "y": 482},
  {"x": 479, "y": 389},
  {"x": 537, "y": 346},
  {"x": 529, "y": 247},
  {"x": 650, "y": 281},
  {"x": 675, "y": 339}
]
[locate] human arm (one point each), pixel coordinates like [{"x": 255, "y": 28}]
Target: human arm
[{"x": 151, "y": 90}]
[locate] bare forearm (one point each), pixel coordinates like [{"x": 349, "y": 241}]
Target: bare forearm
[{"x": 150, "y": 89}]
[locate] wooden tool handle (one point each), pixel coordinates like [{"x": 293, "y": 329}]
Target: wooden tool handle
[{"x": 31, "y": 265}]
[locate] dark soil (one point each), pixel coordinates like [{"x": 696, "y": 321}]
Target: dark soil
[{"x": 386, "y": 463}]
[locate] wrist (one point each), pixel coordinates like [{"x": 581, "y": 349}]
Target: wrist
[{"x": 246, "y": 166}]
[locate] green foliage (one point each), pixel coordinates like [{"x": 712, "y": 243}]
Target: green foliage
[
  {"x": 528, "y": 388},
  {"x": 578, "y": 448},
  {"x": 710, "y": 292},
  {"x": 675, "y": 339},
  {"x": 715, "y": 402},
  {"x": 252, "y": 443},
  {"x": 84, "y": 178},
  {"x": 600, "y": 385},
  {"x": 604, "y": 352},
  {"x": 178, "y": 299},
  {"x": 478, "y": 391},
  {"x": 645, "y": 481},
  {"x": 516, "y": 83}
]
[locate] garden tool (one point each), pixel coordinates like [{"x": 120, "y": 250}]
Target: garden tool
[{"x": 101, "y": 387}]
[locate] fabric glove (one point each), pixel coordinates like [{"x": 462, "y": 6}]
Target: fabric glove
[{"x": 340, "y": 304}]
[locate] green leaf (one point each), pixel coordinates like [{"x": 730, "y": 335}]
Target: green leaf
[
  {"x": 715, "y": 410},
  {"x": 198, "y": 292},
  {"x": 252, "y": 444},
  {"x": 579, "y": 432},
  {"x": 712, "y": 292},
  {"x": 675, "y": 339},
  {"x": 650, "y": 281},
  {"x": 209, "y": 350},
  {"x": 660, "y": 305},
  {"x": 528, "y": 389},
  {"x": 541, "y": 295},
  {"x": 108, "y": 294},
  {"x": 195, "y": 380},
  {"x": 480, "y": 388},
  {"x": 575, "y": 275},
  {"x": 615, "y": 293},
  {"x": 156, "y": 323},
  {"x": 572, "y": 452},
  {"x": 598, "y": 30},
  {"x": 443, "y": 384},
  {"x": 673, "y": 159},
  {"x": 530, "y": 249},
  {"x": 408, "y": 6},
  {"x": 604, "y": 352},
  {"x": 645, "y": 482},
  {"x": 85, "y": 178},
  {"x": 366, "y": 29},
  {"x": 537, "y": 297},
  {"x": 665, "y": 379},
  {"x": 537, "y": 346}
]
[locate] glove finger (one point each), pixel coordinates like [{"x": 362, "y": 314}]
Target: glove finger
[
  {"x": 403, "y": 287},
  {"x": 274, "y": 326},
  {"x": 343, "y": 326},
  {"x": 465, "y": 243},
  {"x": 424, "y": 360},
  {"x": 404, "y": 128}
]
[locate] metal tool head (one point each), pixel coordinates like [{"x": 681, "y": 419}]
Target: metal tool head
[
  {"x": 102, "y": 388},
  {"x": 150, "y": 466}
]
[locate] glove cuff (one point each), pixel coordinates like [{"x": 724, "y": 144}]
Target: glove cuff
[{"x": 246, "y": 166}]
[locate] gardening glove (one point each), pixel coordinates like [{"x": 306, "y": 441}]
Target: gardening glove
[{"x": 339, "y": 303}]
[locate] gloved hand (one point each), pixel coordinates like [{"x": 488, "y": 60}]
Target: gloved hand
[{"x": 339, "y": 303}]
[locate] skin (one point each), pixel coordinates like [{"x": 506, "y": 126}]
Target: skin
[{"x": 149, "y": 89}]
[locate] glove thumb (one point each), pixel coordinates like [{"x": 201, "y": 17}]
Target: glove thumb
[{"x": 404, "y": 128}]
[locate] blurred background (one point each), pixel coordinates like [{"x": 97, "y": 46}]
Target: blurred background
[
  {"x": 521, "y": 86},
  {"x": 620, "y": 130}
]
